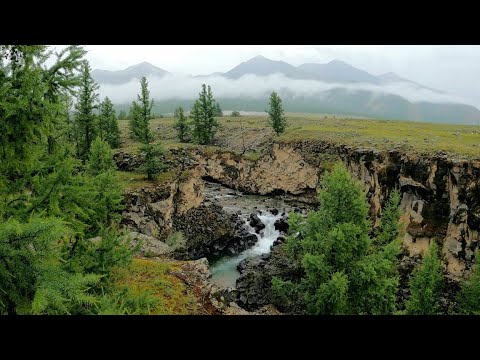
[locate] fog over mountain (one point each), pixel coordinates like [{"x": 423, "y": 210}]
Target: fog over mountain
[{"x": 332, "y": 87}]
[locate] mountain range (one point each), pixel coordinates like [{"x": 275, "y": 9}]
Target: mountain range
[{"x": 337, "y": 98}]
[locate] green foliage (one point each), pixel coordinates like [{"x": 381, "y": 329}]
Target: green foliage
[
  {"x": 60, "y": 292},
  {"x": 108, "y": 124},
  {"x": 101, "y": 158},
  {"x": 426, "y": 285},
  {"x": 218, "y": 110},
  {"x": 49, "y": 204},
  {"x": 181, "y": 124},
  {"x": 122, "y": 115},
  {"x": 343, "y": 272},
  {"x": 469, "y": 296},
  {"x": 203, "y": 113},
  {"x": 287, "y": 294},
  {"x": 176, "y": 240},
  {"x": 24, "y": 248},
  {"x": 277, "y": 119},
  {"x": 252, "y": 155},
  {"x": 330, "y": 298},
  {"x": 127, "y": 302},
  {"x": 85, "y": 119},
  {"x": 235, "y": 113},
  {"x": 389, "y": 226},
  {"x": 60, "y": 188},
  {"x": 30, "y": 95},
  {"x": 102, "y": 254},
  {"x": 141, "y": 114},
  {"x": 152, "y": 165}
]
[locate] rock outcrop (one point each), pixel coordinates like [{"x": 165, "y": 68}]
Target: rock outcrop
[
  {"x": 440, "y": 194},
  {"x": 212, "y": 232},
  {"x": 281, "y": 170},
  {"x": 255, "y": 281},
  {"x": 152, "y": 210}
]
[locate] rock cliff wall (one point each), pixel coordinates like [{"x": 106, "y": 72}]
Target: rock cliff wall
[{"x": 440, "y": 194}]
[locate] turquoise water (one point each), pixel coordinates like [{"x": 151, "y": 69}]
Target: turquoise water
[{"x": 224, "y": 271}]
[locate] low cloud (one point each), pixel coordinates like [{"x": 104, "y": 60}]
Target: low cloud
[{"x": 252, "y": 86}]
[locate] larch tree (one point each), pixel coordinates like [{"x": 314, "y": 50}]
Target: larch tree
[
  {"x": 122, "y": 115},
  {"x": 203, "y": 114},
  {"x": 141, "y": 114},
  {"x": 426, "y": 284},
  {"x": 218, "y": 109},
  {"x": 85, "y": 118},
  {"x": 108, "y": 124},
  {"x": 181, "y": 124},
  {"x": 469, "y": 296},
  {"x": 343, "y": 273},
  {"x": 277, "y": 119}
]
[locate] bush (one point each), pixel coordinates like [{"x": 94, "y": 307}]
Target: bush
[
  {"x": 469, "y": 296},
  {"x": 426, "y": 285},
  {"x": 101, "y": 158},
  {"x": 152, "y": 165}
]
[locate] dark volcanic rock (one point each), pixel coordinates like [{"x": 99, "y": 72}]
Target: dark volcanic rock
[
  {"x": 254, "y": 284},
  {"x": 126, "y": 161},
  {"x": 282, "y": 224},
  {"x": 256, "y": 223},
  {"x": 211, "y": 232}
]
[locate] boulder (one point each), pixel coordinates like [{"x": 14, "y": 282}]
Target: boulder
[{"x": 282, "y": 224}]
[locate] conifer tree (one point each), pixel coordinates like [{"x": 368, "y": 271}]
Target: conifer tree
[
  {"x": 141, "y": 114},
  {"x": 277, "y": 120},
  {"x": 85, "y": 118},
  {"x": 152, "y": 164},
  {"x": 469, "y": 296},
  {"x": 218, "y": 110},
  {"x": 108, "y": 124},
  {"x": 389, "y": 226},
  {"x": 181, "y": 124},
  {"x": 203, "y": 114},
  {"x": 426, "y": 285},
  {"x": 122, "y": 115},
  {"x": 48, "y": 204},
  {"x": 100, "y": 159},
  {"x": 343, "y": 272}
]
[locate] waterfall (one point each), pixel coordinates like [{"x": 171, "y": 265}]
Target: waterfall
[{"x": 224, "y": 272}]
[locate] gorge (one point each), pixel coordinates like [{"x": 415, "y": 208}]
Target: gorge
[{"x": 440, "y": 201}]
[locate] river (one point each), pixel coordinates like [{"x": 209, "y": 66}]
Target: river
[{"x": 224, "y": 270}]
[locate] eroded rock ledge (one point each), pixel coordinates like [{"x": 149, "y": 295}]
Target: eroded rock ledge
[{"x": 440, "y": 194}]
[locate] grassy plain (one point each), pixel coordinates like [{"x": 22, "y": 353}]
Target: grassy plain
[{"x": 422, "y": 138}]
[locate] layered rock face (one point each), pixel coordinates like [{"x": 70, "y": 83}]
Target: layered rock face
[
  {"x": 282, "y": 170},
  {"x": 151, "y": 210},
  {"x": 440, "y": 194},
  {"x": 206, "y": 229}
]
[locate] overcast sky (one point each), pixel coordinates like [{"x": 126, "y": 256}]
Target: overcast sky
[{"x": 452, "y": 68}]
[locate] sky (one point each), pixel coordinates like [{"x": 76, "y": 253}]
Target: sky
[{"x": 451, "y": 68}]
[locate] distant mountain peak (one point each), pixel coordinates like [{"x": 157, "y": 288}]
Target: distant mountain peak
[
  {"x": 333, "y": 71},
  {"x": 143, "y": 65},
  {"x": 259, "y": 57},
  {"x": 260, "y": 66},
  {"x": 338, "y": 62},
  {"x": 132, "y": 72},
  {"x": 390, "y": 76}
]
